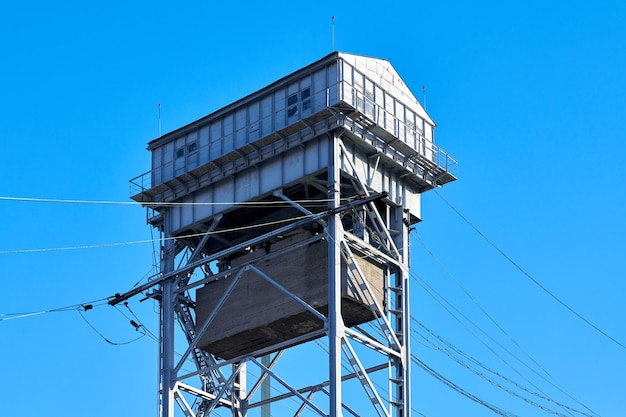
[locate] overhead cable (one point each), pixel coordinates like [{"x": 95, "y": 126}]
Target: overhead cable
[
  {"x": 461, "y": 362},
  {"x": 138, "y": 328},
  {"x": 81, "y": 308},
  {"x": 466, "y": 292},
  {"x": 136, "y": 242},
  {"x": 528, "y": 275},
  {"x": 280, "y": 203},
  {"x": 84, "y": 306},
  {"x": 441, "y": 300},
  {"x": 458, "y": 389}
]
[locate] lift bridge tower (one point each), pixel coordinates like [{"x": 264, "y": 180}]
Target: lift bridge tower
[{"x": 284, "y": 221}]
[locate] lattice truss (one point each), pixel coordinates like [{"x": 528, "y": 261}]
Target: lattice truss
[{"x": 289, "y": 373}]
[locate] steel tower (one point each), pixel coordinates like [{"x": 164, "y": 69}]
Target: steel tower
[{"x": 284, "y": 220}]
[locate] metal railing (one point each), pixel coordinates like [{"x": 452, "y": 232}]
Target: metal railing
[
  {"x": 140, "y": 183},
  {"x": 407, "y": 133},
  {"x": 445, "y": 161}
]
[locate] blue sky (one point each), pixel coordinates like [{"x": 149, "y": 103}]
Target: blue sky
[{"x": 528, "y": 96}]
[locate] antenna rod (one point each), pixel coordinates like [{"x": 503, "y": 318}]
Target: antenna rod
[
  {"x": 424, "y": 89},
  {"x": 159, "y": 119},
  {"x": 333, "y": 33}
]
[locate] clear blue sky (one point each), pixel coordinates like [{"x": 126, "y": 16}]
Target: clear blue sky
[{"x": 528, "y": 96}]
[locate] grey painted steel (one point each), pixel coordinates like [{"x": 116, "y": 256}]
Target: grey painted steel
[
  {"x": 343, "y": 127},
  {"x": 266, "y": 388},
  {"x": 335, "y": 320},
  {"x": 167, "y": 323},
  {"x": 254, "y": 130}
]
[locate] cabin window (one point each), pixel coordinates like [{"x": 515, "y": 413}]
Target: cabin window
[
  {"x": 298, "y": 102},
  {"x": 180, "y": 152},
  {"x": 369, "y": 104},
  {"x": 306, "y": 99},
  {"x": 193, "y": 146},
  {"x": 292, "y": 105}
]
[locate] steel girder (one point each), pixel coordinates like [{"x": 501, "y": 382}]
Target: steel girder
[{"x": 221, "y": 382}]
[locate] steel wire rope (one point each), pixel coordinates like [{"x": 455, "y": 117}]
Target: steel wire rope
[
  {"x": 253, "y": 204},
  {"x": 138, "y": 322},
  {"x": 468, "y": 295},
  {"x": 498, "y": 385},
  {"x": 458, "y": 389},
  {"x": 528, "y": 275},
  {"x": 442, "y": 379},
  {"x": 488, "y": 369},
  {"x": 466, "y": 292},
  {"x": 192, "y": 235},
  {"x": 86, "y": 305},
  {"x": 148, "y": 332},
  {"x": 447, "y": 382},
  {"x": 411, "y": 274},
  {"x": 104, "y": 337},
  {"x": 83, "y": 307},
  {"x": 489, "y": 380},
  {"x": 501, "y": 329},
  {"x": 555, "y": 384},
  {"x": 434, "y": 347},
  {"x": 560, "y": 387},
  {"x": 379, "y": 332},
  {"x": 147, "y": 275}
]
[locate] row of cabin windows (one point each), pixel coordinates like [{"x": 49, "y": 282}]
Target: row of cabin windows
[
  {"x": 366, "y": 102},
  {"x": 299, "y": 102},
  {"x": 192, "y": 147},
  {"x": 295, "y": 103}
]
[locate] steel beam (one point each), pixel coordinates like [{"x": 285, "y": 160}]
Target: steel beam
[
  {"x": 168, "y": 375},
  {"x": 335, "y": 320}
]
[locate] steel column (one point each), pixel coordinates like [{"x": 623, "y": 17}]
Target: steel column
[
  {"x": 335, "y": 321},
  {"x": 403, "y": 366},
  {"x": 167, "y": 323}
]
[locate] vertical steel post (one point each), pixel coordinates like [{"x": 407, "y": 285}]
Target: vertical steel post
[
  {"x": 266, "y": 389},
  {"x": 404, "y": 368},
  {"x": 402, "y": 365},
  {"x": 335, "y": 320},
  {"x": 167, "y": 325},
  {"x": 240, "y": 390},
  {"x": 407, "y": 344}
]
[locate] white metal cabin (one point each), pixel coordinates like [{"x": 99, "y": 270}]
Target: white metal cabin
[
  {"x": 302, "y": 194},
  {"x": 210, "y": 159}
]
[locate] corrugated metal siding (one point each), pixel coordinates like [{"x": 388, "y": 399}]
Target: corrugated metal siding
[
  {"x": 246, "y": 124},
  {"x": 249, "y": 126},
  {"x": 262, "y": 179}
]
